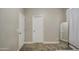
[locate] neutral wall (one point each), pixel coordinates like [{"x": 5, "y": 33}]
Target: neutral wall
[
  {"x": 52, "y": 19},
  {"x": 74, "y": 27},
  {"x": 8, "y": 28}
]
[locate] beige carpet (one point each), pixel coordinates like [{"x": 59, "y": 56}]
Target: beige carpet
[{"x": 45, "y": 47}]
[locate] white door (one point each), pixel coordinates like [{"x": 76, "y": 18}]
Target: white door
[
  {"x": 37, "y": 35},
  {"x": 21, "y": 29}
]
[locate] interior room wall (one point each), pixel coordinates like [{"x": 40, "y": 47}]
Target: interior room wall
[
  {"x": 74, "y": 28},
  {"x": 53, "y": 17},
  {"x": 8, "y": 28}
]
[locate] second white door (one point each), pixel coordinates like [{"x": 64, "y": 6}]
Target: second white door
[
  {"x": 21, "y": 29},
  {"x": 37, "y": 30}
]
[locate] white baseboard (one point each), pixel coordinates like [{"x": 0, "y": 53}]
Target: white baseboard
[
  {"x": 28, "y": 42},
  {"x": 42, "y": 42},
  {"x": 64, "y": 40},
  {"x": 72, "y": 47},
  {"x": 50, "y": 42}
]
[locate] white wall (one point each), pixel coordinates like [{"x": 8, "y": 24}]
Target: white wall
[
  {"x": 74, "y": 27},
  {"x": 8, "y": 28},
  {"x": 52, "y": 19}
]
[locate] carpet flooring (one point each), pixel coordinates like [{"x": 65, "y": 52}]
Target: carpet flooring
[{"x": 46, "y": 47}]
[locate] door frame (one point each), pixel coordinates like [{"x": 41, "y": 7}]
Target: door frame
[{"x": 42, "y": 28}]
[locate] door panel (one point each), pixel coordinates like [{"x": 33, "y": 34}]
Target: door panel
[
  {"x": 37, "y": 29},
  {"x": 21, "y": 29}
]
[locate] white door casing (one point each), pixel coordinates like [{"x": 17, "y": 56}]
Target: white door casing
[{"x": 37, "y": 29}]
